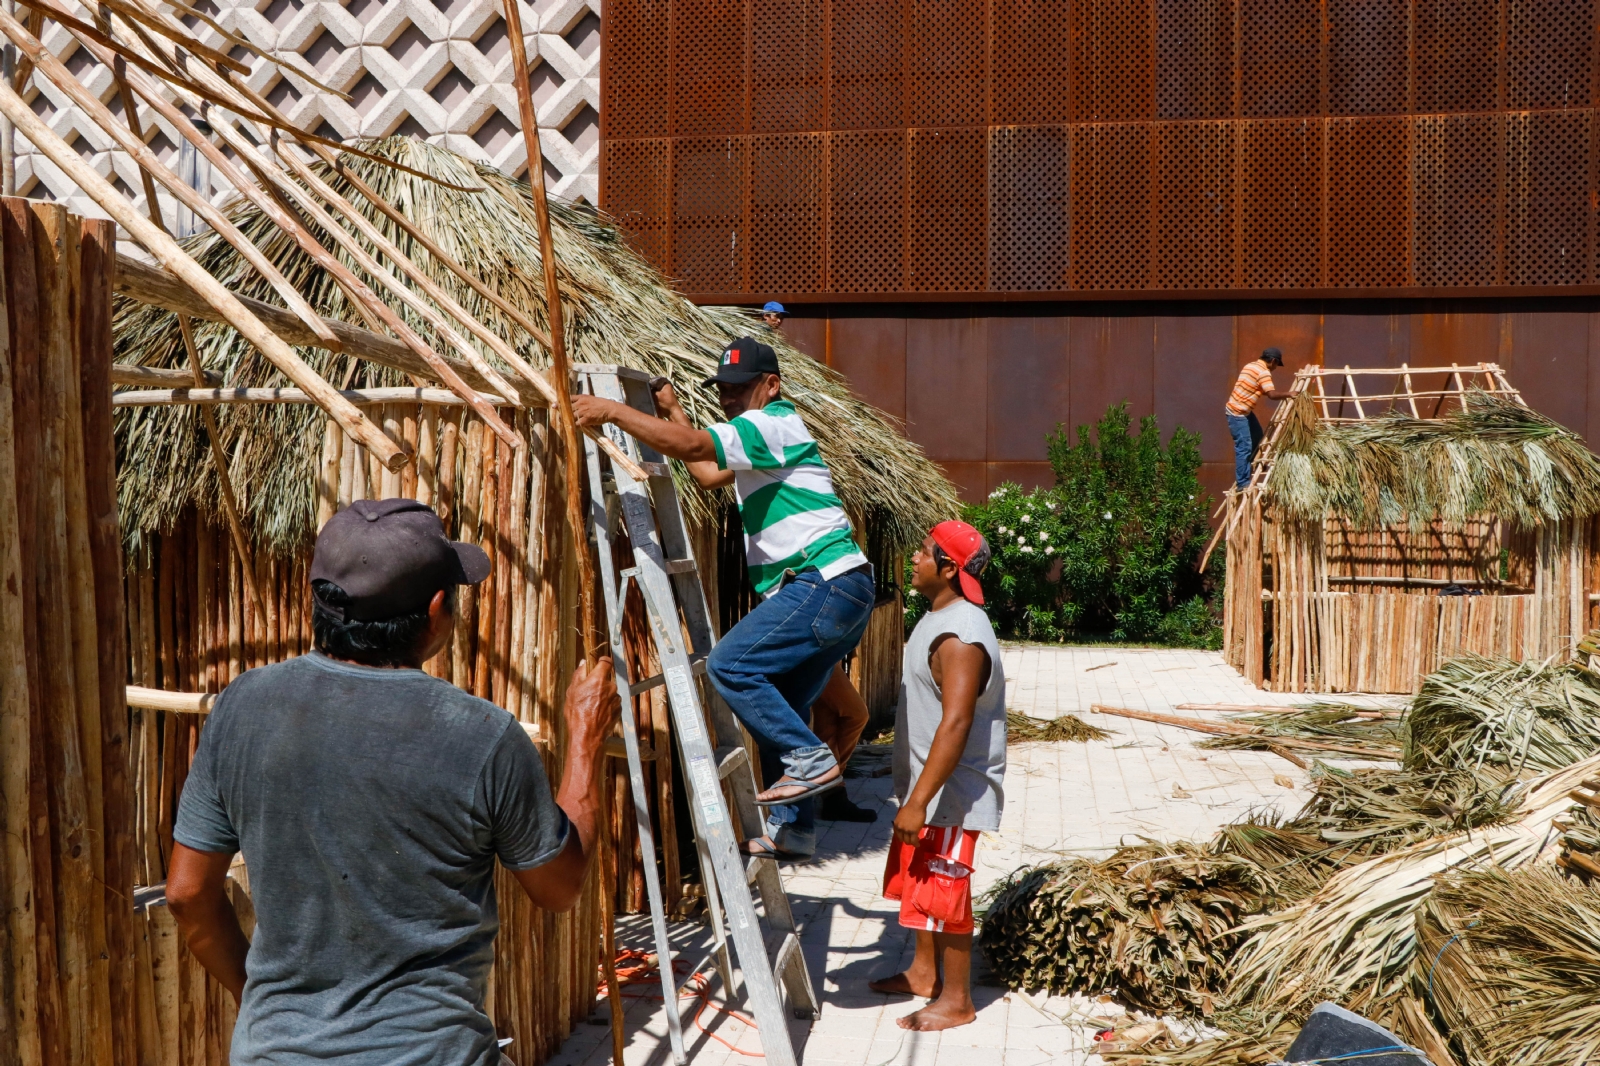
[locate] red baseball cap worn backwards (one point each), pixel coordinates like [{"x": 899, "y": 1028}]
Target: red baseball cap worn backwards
[{"x": 968, "y": 550}]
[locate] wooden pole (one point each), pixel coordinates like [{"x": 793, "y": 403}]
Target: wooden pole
[{"x": 561, "y": 378}]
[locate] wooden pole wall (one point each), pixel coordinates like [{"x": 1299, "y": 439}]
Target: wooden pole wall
[{"x": 67, "y": 942}]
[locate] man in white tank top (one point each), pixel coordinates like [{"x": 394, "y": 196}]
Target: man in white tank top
[{"x": 949, "y": 773}]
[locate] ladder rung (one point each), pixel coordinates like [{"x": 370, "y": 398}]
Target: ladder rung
[
  {"x": 681, "y": 566},
  {"x": 657, "y": 469},
  {"x": 697, "y": 665},
  {"x": 730, "y": 759},
  {"x": 617, "y": 748}
]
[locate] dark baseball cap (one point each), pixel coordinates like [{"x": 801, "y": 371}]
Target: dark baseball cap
[
  {"x": 390, "y": 557},
  {"x": 743, "y": 361},
  {"x": 1272, "y": 355}
]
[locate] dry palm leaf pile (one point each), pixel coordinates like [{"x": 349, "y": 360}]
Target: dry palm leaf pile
[
  {"x": 617, "y": 309},
  {"x": 1150, "y": 924},
  {"x": 1519, "y": 717},
  {"x": 1153, "y": 923},
  {"x": 1494, "y": 456},
  {"x": 1325, "y": 730},
  {"x": 1023, "y": 729},
  {"x": 1495, "y": 755},
  {"x": 1510, "y": 963}
]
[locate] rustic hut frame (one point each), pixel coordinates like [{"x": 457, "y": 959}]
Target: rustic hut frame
[{"x": 1371, "y": 595}]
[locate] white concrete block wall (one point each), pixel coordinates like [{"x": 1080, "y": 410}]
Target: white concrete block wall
[{"x": 437, "y": 69}]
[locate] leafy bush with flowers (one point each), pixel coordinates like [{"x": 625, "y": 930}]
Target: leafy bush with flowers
[{"x": 1109, "y": 552}]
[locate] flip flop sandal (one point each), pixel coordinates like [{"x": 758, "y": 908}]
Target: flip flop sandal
[
  {"x": 758, "y": 848},
  {"x": 809, "y": 788}
]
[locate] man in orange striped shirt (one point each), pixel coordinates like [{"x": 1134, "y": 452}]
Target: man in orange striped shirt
[{"x": 1255, "y": 381}]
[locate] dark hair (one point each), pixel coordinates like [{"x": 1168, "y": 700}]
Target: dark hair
[{"x": 390, "y": 642}]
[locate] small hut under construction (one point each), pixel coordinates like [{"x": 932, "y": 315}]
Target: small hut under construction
[
  {"x": 1398, "y": 517},
  {"x": 192, "y": 622}
]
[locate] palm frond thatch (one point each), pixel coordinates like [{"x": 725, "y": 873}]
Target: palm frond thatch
[
  {"x": 1494, "y": 457},
  {"x": 1510, "y": 961},
  {"x": 618, "y": 308},
  {"x": 1474, "y": 712}
]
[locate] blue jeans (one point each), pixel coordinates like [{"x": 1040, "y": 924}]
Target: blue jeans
[
  {"x": 773, "y": 665},
  {"x": 1246, "y": 430}
]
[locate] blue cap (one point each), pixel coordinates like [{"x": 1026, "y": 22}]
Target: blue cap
[{"x": 773, "y": 307}]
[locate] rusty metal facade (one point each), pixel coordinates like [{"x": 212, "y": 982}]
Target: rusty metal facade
[{"x": 906, "y": 149}]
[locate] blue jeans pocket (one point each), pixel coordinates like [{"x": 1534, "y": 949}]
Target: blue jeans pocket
[{"x": 839, "y": 617}]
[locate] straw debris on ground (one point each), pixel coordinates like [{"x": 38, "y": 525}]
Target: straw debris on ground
[
  {"x": 1327, "y": 730},
  {"x": 618, "y": 309},
  {"x": 1494, "y": 457},
  {"x": 1022, "y": 729}
]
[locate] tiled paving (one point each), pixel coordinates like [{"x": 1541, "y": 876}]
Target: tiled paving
[{"x": 1061, "y": 799}]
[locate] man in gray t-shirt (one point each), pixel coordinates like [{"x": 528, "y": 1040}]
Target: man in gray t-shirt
[
  {"x": 371, "y": 802},
  {"x": 949, "y": 773}
]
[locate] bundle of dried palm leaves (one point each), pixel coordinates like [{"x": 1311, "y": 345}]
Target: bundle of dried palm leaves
[
  {"x": 1024, "y": 728},
  {"x": 1321, "y": 730},
  {"x": 1474, "y": 712},
  {"x": 1494, "y": 457},
  {"x": 1354, "y": 939},
  {"x": 1152, "y": 925},
  {"x": 1362, "y": 813},
  {"x": 1510, "y": 962}
]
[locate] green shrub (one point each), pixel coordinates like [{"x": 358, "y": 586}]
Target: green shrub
[{"x": 1110, "y": 551}]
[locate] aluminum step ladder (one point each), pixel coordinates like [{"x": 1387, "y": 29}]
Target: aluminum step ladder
[{"x": 766, "y": 945}]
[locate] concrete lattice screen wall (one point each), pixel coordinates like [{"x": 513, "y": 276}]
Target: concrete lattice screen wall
[{"x": 435, "y": 69}]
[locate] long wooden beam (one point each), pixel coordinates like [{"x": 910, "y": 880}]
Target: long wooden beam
[
  {"x": 155, "y": 377},
  {"x": 360, "y": 397},
  {"x": 152, "y": 285}
]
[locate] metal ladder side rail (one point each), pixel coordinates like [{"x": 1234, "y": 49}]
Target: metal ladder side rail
[{"x": 668, "y": 578}]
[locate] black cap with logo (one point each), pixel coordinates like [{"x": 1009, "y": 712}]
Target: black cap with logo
[
  {"x": 390, "y": 557},
  {"x": 743, "y": 361}
]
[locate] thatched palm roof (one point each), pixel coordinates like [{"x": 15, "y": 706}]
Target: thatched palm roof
[
  {"x": 1495, "y": 457},
  {"x": 619, "y": 310}
]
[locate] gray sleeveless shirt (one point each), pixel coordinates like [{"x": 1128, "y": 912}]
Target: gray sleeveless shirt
[{"x": 974, "y": 795}]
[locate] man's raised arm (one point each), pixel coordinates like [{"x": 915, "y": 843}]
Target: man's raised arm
[{"x": 673, "y": 435}]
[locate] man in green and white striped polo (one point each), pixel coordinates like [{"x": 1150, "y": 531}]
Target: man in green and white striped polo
[{"x": 817, "y": 585}]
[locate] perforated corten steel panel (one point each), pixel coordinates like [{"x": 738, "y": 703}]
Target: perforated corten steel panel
[{"x": 835, "y": 149}]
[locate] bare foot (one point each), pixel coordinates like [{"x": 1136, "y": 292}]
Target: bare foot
[
  {"x": 901, "y": 984},
  {"x": 938, "y": 1015}
]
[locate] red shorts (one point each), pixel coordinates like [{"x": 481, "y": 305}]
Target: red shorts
[{"x": 933, "y": 880}]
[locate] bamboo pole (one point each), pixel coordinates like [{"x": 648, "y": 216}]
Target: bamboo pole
[
  {"x": 428, "y": 454},
  {"x": 151, "y": 168},
  {"x": 328, "y": 473},
  {"x": 489, "y": 541},
  {"x": 205, "y": 397}
]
